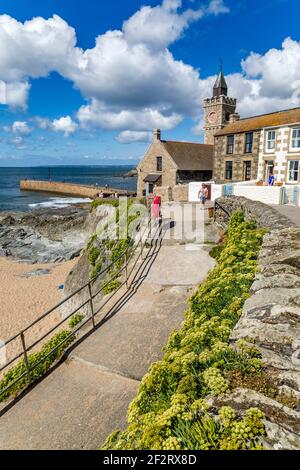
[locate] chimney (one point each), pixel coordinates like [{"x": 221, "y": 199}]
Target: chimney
[
  {"x": 234, "y": 117},
  {"x": 156, "y": 135}
]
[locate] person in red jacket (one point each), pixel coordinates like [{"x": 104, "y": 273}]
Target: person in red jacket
[{"x": 156, "y": 207}]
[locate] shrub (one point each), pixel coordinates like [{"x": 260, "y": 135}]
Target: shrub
[
  {"x": 93, "y": 254},
  {"x": 170, "y": 411},
  {"x": 112, "y": 286},
  {"x": 43, "y": 366},
  {"x": 75, "y": 320}
]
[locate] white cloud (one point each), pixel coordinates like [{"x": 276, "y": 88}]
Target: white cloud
[
  {"x": 159, "y": 26},
  {"x": 131, "y": 81},
  {"x": 216, "y": 7},
  {"x": 65, "y": 125},
  {"x": 278, "y": 69},
  {"x": 127, "y": 137},
  {"x": 130, "y": 76},
  {"x": 21, "y": 128},
  {"x": 99, "y": 115}
]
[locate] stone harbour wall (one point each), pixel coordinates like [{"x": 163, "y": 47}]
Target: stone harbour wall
[{"x": 271, "y": 322}]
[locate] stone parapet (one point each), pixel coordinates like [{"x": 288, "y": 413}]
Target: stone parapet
[{"x": 271, "y": 322}]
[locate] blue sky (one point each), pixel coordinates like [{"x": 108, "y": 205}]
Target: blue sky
[{"x": 65, "y": 101}]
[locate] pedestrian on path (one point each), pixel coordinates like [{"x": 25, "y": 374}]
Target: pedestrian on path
[
  {"x": 156, "y": 207},
  {"x": 203, "y": 194}
]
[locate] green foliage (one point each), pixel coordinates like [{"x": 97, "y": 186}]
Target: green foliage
[
  {"x": 170, "y": 411},
  {"x": 97, "y": 270},
  {"x": 75, "y": 320},
  {"x": 112, "y": 286},
  {"x": 38, "y": 357},
  {"x": 216, "y": 251},
  {"x": 115, "y": 202},
  {"x": 102, "y": 202},
  {"x": 93, "y": 255}
]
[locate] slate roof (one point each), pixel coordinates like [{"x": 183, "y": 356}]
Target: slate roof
[
  {"x": 190, "y": 156},
  {"x": 220, "y": 87},
  {"x": 152, "y": 178},
  {"x": 280, "y": 118}
]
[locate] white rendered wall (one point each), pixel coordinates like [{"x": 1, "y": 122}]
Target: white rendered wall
[{"x": 266, "y": 194}]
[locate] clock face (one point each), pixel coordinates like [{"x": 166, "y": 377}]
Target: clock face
[{"x": 213, "y": 117}]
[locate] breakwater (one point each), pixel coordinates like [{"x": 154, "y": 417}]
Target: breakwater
[{"x": 70, "y": 189}]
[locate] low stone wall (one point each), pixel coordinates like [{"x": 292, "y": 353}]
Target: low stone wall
[
  {"x": 271, "y": 320},
  {"x": 165, "y": 192},
  {"x": 264, "y": 215},
  {"x": 179, "y": 193}
]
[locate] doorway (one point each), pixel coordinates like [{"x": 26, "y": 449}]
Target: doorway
[
  {"x": 247, "y": 171},
  {"x": 269, "y": 169}
]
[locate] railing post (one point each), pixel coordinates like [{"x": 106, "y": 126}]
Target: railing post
[
  {"x": 141, "y": 240},
  {"x": 25, "y": 355},
  {"x": 126, "y": 269},
  {"x": 92, "y": 305}
]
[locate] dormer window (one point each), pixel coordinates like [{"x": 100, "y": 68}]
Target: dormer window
[
  {"x": 271, "y": 138},
  {"x": 296, "y": 138},
  {"x": 159, "y": 164}
]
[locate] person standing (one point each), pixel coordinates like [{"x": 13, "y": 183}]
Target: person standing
[
  {"x": 156, "y": 207},
  {"x": 203, "y": 194},
  {"x": 271, "y": 181}
]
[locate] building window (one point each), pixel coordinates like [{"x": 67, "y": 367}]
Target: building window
[
  {"x": 296, "y": 138},
  {"x": 249, "y": 142},
  {"x": 228, "y": 170},
  {"x": 230, "y": 144},
  {"x": 293, "y": 171},
  {"x": 158, "y": 163},
  {"x": 247, "y": 171},
  {"x": 271, "y": 137}
]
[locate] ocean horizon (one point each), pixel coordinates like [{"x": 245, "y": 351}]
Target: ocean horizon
[{"x": 12, "y": 199}]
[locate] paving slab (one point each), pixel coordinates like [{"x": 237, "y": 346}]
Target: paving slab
[
  {"x": 180, "y": 265},
  {"x": 134, "y": 337},
  {"x": 75, "y": 407}
]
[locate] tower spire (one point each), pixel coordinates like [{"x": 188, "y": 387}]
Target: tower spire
[{"x": 220, "y": 87}]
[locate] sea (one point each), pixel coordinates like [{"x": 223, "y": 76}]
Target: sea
[{"x": 12, "y": 199}]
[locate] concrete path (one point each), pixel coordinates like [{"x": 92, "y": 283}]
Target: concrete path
[
  {"x": 87, "y": 397},
  {"x": 292, "y": 212}
]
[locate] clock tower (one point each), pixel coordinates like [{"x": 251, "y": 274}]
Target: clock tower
[{"x": 217, "y": 110}]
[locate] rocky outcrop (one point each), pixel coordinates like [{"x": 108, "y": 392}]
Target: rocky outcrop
[
  {"x": 44, "y": 235},
  {"x": 271, "y": 321},
  {"x": 94, "y": 225}
]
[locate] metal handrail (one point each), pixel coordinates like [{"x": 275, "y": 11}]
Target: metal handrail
[
  {"x": 219, "y": 206},
  {"x": 90, "y": 300}
]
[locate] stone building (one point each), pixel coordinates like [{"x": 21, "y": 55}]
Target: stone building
[
  {"x": 255, "y": 147},
  {"x": 168, "y": 164},
  {"x": 235, "y": 149}
]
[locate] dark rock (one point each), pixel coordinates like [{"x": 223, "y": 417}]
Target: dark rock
[{"x": 44, "y": 235}]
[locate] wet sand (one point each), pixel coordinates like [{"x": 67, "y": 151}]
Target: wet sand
[{"x": 23, "y": 299}]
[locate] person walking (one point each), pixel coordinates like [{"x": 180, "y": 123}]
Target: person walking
[{"x": 203, "y": 194}]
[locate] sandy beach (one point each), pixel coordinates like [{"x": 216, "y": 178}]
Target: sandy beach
[{"x": 24, "y": 297}]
